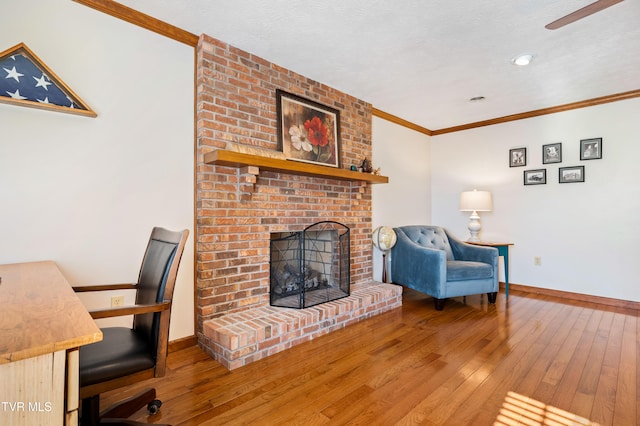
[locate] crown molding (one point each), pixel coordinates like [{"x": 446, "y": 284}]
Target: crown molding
[
  {"x": 544, "y": 111},
  {"x": 140, "y": 19},
  {"x": 401, "y": 121}
]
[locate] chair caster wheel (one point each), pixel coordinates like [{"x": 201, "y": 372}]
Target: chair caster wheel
[{"x": 154, "y": 406}]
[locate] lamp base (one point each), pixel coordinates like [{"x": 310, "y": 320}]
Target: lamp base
[{"x": 474, "y": 227}]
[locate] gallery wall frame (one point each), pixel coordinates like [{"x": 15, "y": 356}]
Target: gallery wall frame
[
  {"x": 307, "y": 130},
  {"x": 552, "y": 153},
  {"x": 591, "y": 149},
  {"x": 571, "y": 174},
  {"x": 517, "y": 157},
  {"x": 535, "y": 177}
]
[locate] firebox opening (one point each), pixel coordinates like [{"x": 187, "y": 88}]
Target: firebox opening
[{"x": 310, "y": 267}]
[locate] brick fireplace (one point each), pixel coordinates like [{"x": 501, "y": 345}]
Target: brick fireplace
[{"x": 239, "y": 207}]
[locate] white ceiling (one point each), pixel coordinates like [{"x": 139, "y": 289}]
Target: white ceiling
[{"x": 422, "y": 60}]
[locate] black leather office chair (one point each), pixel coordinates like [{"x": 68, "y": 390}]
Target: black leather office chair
[{"x": 129, "y": 355}]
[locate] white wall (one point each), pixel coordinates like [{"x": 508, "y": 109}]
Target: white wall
[
  {"x": 85, "y": 192},
  {"x": 404, "y": 156},
  {"x": 587, "y": 234}
]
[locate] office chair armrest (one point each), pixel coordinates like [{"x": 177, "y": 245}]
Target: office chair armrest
[
  {"x": 130, "y": 310},
  {"x": 104, "y": 287}
]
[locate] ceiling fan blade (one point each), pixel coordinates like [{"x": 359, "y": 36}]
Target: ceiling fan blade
[{"x": 582, "y": 13}]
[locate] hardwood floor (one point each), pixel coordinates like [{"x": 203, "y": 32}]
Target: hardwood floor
[{"x": 532, "y": 360}]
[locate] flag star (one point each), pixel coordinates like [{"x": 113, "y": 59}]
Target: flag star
[
  {"x": 45, "y": 101},
  {"x": 42, "y": 82},
  {"x": 16, "y": 94},
  {"x": 12, "y": 73}
]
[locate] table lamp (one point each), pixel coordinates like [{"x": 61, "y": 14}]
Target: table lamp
[{"x": 475, "y": 201}]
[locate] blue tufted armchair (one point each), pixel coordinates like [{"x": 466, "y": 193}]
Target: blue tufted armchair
[{"x": 430, "y": 260}]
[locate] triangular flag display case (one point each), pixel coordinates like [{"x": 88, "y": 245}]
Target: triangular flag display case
[{"x": 25, "y": 80}]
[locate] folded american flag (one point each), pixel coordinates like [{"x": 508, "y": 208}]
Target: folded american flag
[{"x": 24, "y": 78}]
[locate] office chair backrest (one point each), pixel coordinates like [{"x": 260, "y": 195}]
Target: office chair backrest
[{"x": 156, "y": 282}]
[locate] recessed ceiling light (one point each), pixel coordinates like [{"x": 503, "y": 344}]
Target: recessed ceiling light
[
  {"x": 477, "y": 99},
  {"x": 523, "y": 60}
]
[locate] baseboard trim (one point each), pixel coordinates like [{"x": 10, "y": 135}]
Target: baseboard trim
[
  {"x": 618, "y": 303},
  {"x": 182, "y": 343}
]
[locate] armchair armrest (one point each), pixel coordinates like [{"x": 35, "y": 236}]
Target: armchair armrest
[
  {"x": 130, "y": 310},
  {"x": 471, "y": 252},
  {"x": 121, "y": 311},
  {"x": 103, "y": 287}
]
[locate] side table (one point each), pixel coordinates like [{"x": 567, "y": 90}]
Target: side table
[{"x": 503, "y": 250}]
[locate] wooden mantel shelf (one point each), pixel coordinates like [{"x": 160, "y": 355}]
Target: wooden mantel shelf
[{"x": 239, "y": 159}]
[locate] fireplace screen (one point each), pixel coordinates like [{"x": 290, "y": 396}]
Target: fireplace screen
[{"x": 310, "y": 267}]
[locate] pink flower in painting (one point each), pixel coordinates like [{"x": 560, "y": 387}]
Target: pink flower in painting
[{"x": 317, "y": 132}]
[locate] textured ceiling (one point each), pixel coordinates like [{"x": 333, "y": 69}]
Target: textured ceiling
[{"x": 422, "y": 60}]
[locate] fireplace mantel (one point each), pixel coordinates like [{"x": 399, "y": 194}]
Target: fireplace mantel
[{"x": 239, "y": 159}]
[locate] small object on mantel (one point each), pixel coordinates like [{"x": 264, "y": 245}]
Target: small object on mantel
[
  {"x": 366, "y": 166},
  {"x": 377, "y": 171}
]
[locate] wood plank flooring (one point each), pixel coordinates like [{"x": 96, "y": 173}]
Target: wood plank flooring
[{"x": 530, "y": 360}]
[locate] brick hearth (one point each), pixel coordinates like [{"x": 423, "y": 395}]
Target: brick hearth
[{"x": 238, "y": 339}]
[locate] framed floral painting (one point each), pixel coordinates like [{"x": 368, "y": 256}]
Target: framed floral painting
[{"x": 308, "y": 131}]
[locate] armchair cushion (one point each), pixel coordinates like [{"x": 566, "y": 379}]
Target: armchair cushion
[{"x": 460, "y": 270}]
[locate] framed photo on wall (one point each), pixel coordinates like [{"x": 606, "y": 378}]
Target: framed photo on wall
[
  {"x": 591, "y": 149},
  {"x": 552, "y": 153},
  {"x": 535, "y": 177},
  {"x": 517, "y": 157},
  {"x": 308, "y": 131},
  {"x": 571, "y": 174}
]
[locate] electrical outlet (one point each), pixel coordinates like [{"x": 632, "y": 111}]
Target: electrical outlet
[
  {"x": 117, "y": 301},
  {"x": 537, "y": 261}
]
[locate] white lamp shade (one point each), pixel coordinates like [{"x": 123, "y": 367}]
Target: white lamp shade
[{"x": 476, "y": 201}]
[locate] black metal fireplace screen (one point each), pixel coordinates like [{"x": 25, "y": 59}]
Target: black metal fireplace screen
[{"x": 310, "y": 267}]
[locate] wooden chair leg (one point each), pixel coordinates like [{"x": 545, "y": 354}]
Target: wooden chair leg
[
  {"x": 492, "y": 297},
  {"x": 90, "y": 414},
  {"x": 439, "y": 304}
]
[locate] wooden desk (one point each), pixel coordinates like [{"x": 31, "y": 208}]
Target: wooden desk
[
  {"x": 503, "y": 250},
  {"x": 42, "y": 325}
]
